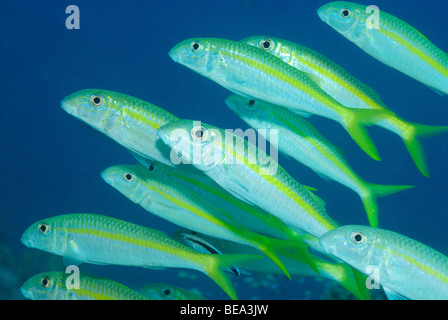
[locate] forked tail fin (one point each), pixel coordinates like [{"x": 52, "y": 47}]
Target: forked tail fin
[
  {"x": 346, "y": 276},
  {"x": 364, "y": 293},
  {"x": 411, "y": 140},
  {"x": 270, "y": 246},
  {"x": 216, "y": 267},
  {"x": 371, "y": 193},
  {"x": 355, "y": 122}
]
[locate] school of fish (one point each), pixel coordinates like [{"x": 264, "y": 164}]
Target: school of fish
[{"x": 238, "y": 210}]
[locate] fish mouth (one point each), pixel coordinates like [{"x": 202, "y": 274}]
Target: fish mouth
[
  {"x": 321, "y": 14},
  {"x": 106, "y": 177},
  {"x": 332, "y": 242},
  {"x": 26, "y": 293},
  {"x": 163, "y": 134},
  {"x": 66, "y": 106},
  {"x": 26, "y": 242},
  {"x": 323, "y": 241},
  {"x": 172, "y": 55},
  {"x": 229, "y": 101}
]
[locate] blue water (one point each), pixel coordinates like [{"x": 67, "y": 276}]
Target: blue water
[{"x": 51, "y": 161}]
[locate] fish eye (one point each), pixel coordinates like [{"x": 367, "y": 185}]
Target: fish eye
[
  {"x": 128, "y": 176},
  {"x": 167, "y": 293},
  {"x": 45, "y": 282},
  {"x": 151, "y": 167},
  {"x": 199, "y": 133},
  {"x": 196, "y": 46},
  {"x": 251, "y": 102},
  {"x": 97, "y": 100},
  {"x": 267, "y": 44},
  {"x": 44, "y": 228},
  {"x": 358, "y": 237},
  {"x": 345, "y": 12}
]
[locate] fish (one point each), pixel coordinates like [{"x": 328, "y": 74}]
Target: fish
[
  {"x": 404, "y": 267},
  {"x": 389, "y": 40},
  {"x": 248, "y": 215},
  {"x": 53, "y": 286},
  {"x": 298, "y": 139},
  {"x": 349, "y": 91},
  {"x": 248, "y": 173},
  {"x": 163, "y": 196},
  {"x": 250, "y": 71},
  {"x": 162, "y": 291},
  {"x": 335, "y": 271},
  {"x": 128, "y": 120},
  {"x": 103, "y": 240}
]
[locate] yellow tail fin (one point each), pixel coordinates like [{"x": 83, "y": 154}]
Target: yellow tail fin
[
  {"x": 374, "y": 191},
  {"x": 271, "y": 244},
  {"x": 355, "y": 122},
  {"x": 415, "y": 149},
  {"x": 218, "y": 263}
]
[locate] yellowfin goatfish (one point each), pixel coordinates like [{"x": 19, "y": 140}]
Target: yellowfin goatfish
[
  {"x": 298, "y": 139},
  {"x": 348, "y": 90},
  {"x": 339, "y": 272},
  {"x": 163, "y": 196},
  {"x": 390, "y": 40},
  {"x": 249, "y": 216},
  {"x": 129, "y": 121},
  {"x": 250, "y": 71},
  {"x": 247, "y": 172},
  {"x": 100, "y": 239},
  {"x": 53, "y": 286},
  {"x": 405, "y": 268},
  {"x": 161, "y": 291}
]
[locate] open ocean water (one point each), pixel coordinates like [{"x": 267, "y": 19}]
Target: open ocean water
[{"x": 51, "y": 162}]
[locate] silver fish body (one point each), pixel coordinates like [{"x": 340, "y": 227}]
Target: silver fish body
[{"x": 404, "y": 267}]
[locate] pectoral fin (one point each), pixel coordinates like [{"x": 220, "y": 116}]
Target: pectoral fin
[
  {"x": 111, "y": 121},
  {"x": 233, "y": 185},
  {"x": 71, "y": 253}
]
